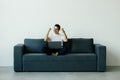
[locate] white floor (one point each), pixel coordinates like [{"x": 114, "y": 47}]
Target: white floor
[{"x": 7, "y": 73}]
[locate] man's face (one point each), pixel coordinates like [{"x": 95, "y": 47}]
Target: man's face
[{"x": 56, "y": 30}]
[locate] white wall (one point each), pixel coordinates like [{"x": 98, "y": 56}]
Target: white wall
[{"x": 21, "y": 19}]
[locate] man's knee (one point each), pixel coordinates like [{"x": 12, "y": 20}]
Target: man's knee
[{"x": 62, "y": 51}]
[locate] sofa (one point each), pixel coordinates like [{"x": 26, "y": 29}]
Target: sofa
[{"x": 81, "y": 54}]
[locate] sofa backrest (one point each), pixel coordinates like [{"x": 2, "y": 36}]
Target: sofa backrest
[
  {"x": 34, "y": 45},
  {"x": 74, "y": 45},
  {"x": 82, "y": 45}
]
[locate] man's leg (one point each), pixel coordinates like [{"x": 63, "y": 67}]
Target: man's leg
[
  {"x": 46, "y": 49},
  {"x": 62, "y": 51}
]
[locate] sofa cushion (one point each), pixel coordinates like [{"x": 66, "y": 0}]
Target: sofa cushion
[
  {"x": 68, "y": 57},
  {"x": 82, "y": 45},
  {"x": 69, "y": 62},
  {"x": 34, "y": 45}
]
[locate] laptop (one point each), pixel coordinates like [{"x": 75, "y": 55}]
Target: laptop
[{"x": 55, "y": 44}]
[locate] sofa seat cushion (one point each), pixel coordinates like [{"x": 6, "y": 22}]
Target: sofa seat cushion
[{"x": 68, "y": 57}]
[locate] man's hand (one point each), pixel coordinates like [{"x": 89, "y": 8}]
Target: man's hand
[
  {"x": 46, "y": 36},
  {"x": 49, "y": 29},
  {"x": 65, "y": 36},
  {"x": 63, "y": 30}
]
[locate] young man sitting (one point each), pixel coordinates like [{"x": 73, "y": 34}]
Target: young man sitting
[{"x": 55, "y": 36}]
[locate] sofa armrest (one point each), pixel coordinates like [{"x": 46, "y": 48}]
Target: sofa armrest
[
  {"x": 100, "y": 50},
  {"x": 18, "y": 53}
]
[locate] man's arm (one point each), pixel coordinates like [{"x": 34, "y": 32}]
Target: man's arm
[
  {"x": 46, "y": 38},
  {"x": 65, "y": 39}
]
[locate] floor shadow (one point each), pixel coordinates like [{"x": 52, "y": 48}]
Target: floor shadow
[{"x": 113, "y": 69}]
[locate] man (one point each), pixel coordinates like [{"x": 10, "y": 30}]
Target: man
[{"x": 56, "y": 36}]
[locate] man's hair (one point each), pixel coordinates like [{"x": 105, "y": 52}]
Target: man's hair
[{"x": 58, "y": 26}]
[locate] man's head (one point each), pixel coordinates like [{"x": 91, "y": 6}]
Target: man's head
[{"x": 56, "y": 28}]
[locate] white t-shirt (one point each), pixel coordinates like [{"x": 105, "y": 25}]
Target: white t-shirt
[{"x": 56, "y": 37}]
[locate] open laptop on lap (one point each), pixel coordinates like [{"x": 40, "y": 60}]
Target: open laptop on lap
[{"x": 55, "y": 44}]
